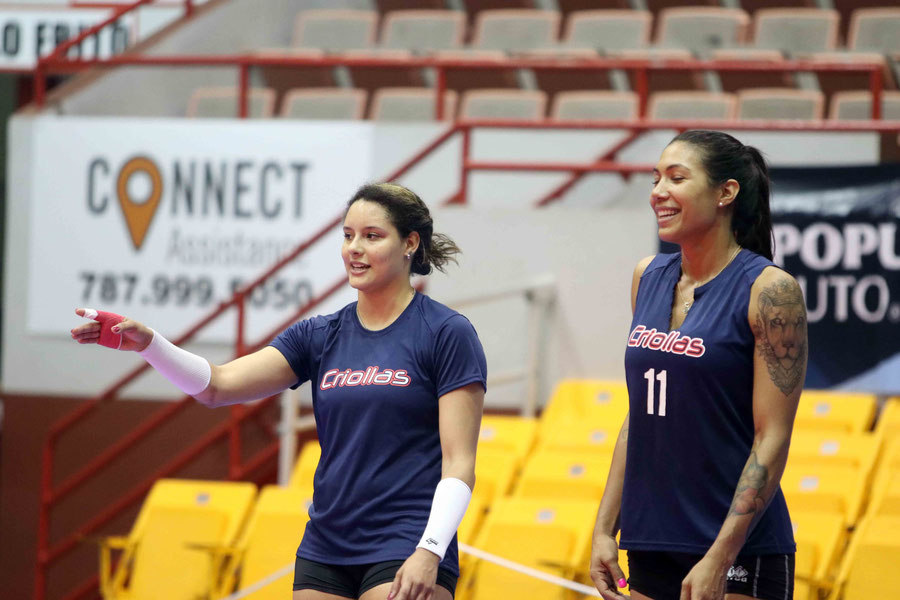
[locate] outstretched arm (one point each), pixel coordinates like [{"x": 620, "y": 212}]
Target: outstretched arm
[
  {"x": 777, "y": 315},
  {"x": 250, "y": 377}
]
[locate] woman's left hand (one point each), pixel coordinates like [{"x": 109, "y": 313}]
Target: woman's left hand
[
  {"x": 706, "y": 581},
  {"x": 415, "y": 580}
]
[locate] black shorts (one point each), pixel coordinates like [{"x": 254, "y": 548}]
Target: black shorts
[
  {"x": 352, "y": 581},
  {"x": 658, "y": 575}
]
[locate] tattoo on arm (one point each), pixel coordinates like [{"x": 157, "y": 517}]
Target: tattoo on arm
[
  {"x": 781, "y": 333},
  {"x": 623, "y": 433},
  {"x": 748, "y": 498}
]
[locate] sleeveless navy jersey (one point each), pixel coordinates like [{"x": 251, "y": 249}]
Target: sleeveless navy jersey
[
  {"x": 691, "y": 414},
  {"x": 375, "y": 398}
]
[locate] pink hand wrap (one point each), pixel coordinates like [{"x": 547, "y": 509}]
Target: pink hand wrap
[{"x": 107, "y": 320}]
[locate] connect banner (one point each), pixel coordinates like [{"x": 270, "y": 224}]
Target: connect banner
[
  {"x": 836, "y": 232},
  {"x": 162, "y": 220},
  {"x": 28, "y": 34}
]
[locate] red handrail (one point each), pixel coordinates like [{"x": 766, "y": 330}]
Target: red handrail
[{"x": 641, "y": 67}]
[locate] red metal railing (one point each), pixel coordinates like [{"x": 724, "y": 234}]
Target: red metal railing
[
  {"x": 51, "y": 495},
  {"x": 640, "y": 67}
]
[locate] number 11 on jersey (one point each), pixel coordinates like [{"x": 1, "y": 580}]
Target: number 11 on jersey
[{"x": 650, "y": 375}]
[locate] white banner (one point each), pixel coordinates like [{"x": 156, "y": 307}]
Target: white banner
[
  {"x": 32, "y": 33},
  {"x": 162, "y": 219}
]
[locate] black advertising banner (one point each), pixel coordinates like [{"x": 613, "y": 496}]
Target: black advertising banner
[{"x": 836, "y": 232}]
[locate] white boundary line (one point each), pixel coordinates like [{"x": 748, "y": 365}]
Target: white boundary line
[
  {"x": 258, "y": 585},
  {"x": 513, "y": 566},
  {"x": 497, "y": 560}
]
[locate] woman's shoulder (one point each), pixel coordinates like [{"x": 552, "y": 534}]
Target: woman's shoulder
[
  {"x": 655, "y": 262},
  {"x": 756, "y": 265},
  {"x": 321, "y": 323},
  {"x": 437, "y": 315}
]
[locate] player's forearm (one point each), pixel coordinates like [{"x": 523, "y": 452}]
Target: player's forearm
[
  {"x": 755, "y": 489},
  {"x": 610, "y": 506},
  {"x": 460, "y": 466}
]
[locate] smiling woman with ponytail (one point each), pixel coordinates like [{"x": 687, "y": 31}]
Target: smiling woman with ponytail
[
  {"x": 694, "y": 482},
  {"x": 398, "y": 382}
]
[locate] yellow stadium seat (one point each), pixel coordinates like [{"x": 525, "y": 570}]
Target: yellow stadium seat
[
  {"x": 305, "y": 466},
  {"x": 550, "y": 535},
  {"x": 495, "y": 472},
  {"x": 886, "y": 498},
  {"x": 858, "y": 450},
  {"x": 821, "y": 488},
  {"x": 585, "y": 438},
  {"x": 820, "y": 538},
  {"x": 166, "y": 554},
  {"x": 554, "y": 474},
  {"x": 888, "y": 466},
  {"x": 870, "y": 567},
  {"x": 888, "y": 425},
  {"x": 835, "y": 411},
  {"x": 472, "y": 520},
  {"x": 514, "y": 435},
  {"x": 600, "y": 403},
  {"x": 269, "y": 542}
]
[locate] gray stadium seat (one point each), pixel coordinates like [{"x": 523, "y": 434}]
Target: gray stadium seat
[
  {"x": 731, "y": 81},
  {"x": 556, "y": 80},
  {"x": 853, "y": 106},
  {"x": 515, "y": 29},
  {"x": 335, "y": 30},
  {"x": 608, "y": 30},
  {"x": 324, "y": 103},
  {"x": 875, "y": 29},
  {"x": 587, "y": 105},
  {"x": 701, "y": 28},
  {"x": 798, "y": 31},
  {"x": 222, "y": 103},
  {"x": 371, "y": 78},
  {"x": 422, "y": 31},
  {"x": 664, "y": 80},
  {"x": 503, "y": 104},
  {"x": 465, "y": 79},
  {"x": 780, "y": 103},
  {"x": 691, "y": 105},
  {"x": 409, "y": 104},
  {"x": 831, "y": 81}
]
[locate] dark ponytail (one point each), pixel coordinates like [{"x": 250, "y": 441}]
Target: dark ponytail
[
  {"x": 408, "y": 213},
  {"x": 724, "y": 157}
]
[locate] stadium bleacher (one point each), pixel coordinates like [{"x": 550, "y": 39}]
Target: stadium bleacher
[
  {"x": 543, "y": 479},
  {"x": 757, "y": 31}
]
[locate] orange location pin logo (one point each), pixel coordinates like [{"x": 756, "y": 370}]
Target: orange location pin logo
[{"x": 139, "y": 213}]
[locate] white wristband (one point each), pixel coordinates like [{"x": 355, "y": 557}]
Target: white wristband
[
  {"x": 451, "y": 498},
  {"x": 189, "y": 372}
]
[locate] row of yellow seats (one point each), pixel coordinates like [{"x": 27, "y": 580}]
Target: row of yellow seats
[
  {"x": 605, "y": 403},
  {"x": 204, "y": 539},
  {"x": 826, "y": 483}
]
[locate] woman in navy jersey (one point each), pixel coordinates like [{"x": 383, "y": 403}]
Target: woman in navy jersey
[
  {"x": 714, "y": 363},
  {"x": 398, "y": 384}
]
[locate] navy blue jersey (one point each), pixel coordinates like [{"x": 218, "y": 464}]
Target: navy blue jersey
[
  {"x": 375, "y": 398},
  {"x": 691, "y": 413}
]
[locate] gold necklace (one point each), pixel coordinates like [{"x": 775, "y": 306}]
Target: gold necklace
[{"x": 687, "y": 305}]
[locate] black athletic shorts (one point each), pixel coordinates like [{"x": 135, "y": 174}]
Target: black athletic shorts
[
  {"x": 658, "y": 575},
  {"x": 352, "y": 581}
]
